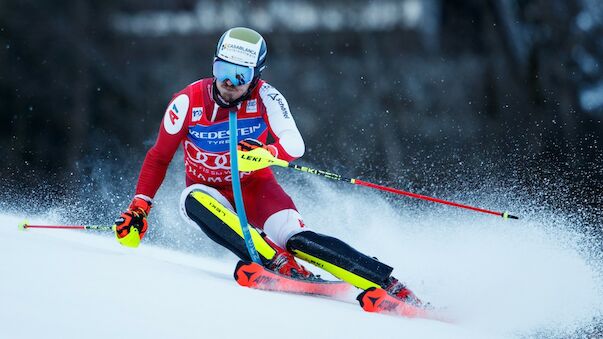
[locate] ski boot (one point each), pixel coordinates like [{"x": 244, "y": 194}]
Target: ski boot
[
  {"x": 284, "y": 263},
  {"x": 400, "y": 291}
]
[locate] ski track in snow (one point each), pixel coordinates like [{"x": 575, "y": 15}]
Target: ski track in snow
[{"x": 499, "y": 279}]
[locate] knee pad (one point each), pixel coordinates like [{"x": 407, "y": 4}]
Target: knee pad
[
  {"x": 282, "y": 225},
  {"x": 339, "y": 259},
  {"x": 214, "y": 193}
]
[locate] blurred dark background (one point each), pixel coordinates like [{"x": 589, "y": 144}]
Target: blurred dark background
[{"x": 430, "y": 95}]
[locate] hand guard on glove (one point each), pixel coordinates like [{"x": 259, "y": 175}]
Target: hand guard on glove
[
  {"x": 131, "y": 226},
  {"x": 250, "y": 144}
]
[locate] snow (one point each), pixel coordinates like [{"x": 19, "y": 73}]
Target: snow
[
  {"x": 74, "y": 285},
  {"x": 499, "y": 279}
]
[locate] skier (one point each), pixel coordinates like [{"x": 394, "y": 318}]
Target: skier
[{"x": 197, "y": 118}]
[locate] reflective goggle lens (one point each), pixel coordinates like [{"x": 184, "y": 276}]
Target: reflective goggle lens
[{"x": 238, "y": 75}]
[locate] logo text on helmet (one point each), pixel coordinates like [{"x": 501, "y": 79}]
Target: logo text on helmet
[{"x": 239, "y": 52}]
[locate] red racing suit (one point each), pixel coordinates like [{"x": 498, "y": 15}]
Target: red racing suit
[{"x": 194, "y": 120}]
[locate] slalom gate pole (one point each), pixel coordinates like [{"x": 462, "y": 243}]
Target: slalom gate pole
[
  {"x": 260, "y": 158},
  {"x": 236, "y": 187},
  {"x": 24, "y": 225}
]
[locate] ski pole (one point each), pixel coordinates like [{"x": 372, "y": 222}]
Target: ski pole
[
  {"x": 260, "y": 158},
  {"x": 24, "y": 226},
  {"x": 236, "y": 189}
]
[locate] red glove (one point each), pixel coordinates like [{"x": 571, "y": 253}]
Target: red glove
[
  {"x": 251, "y": 144},
  {"x": 131, "y": 226}
]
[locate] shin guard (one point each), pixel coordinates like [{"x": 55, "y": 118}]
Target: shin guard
[
  {"x": 223, "y": 226},
  {"x": 339, "y": 259}
]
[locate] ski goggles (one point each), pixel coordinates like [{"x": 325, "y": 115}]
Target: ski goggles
[{"x": 238, "y": 75}]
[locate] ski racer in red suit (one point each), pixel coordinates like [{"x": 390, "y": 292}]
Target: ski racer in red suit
[{"x": 197, "y": 119}]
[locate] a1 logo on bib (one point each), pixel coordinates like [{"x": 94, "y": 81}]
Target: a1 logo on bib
[{"x": 175, "y": 114}]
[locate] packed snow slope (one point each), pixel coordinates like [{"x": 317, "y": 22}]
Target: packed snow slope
[
  {"x": 72, "y": 285},
  {"x": 536, "y": 277}
]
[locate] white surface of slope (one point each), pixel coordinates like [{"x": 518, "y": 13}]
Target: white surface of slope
[
  {"x": 58, "y": 284},
  {"x": 66, "y": 284}
]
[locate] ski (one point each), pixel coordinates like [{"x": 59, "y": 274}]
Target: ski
[
  {"x": 379, "y": 301},
  {"x": 255, "y": 276},
  {"x": 250, "y": 274}
]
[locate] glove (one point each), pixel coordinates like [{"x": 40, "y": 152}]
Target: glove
[
  {"x": 131, "y": 226},
  {"x": 250, "y": 144}
]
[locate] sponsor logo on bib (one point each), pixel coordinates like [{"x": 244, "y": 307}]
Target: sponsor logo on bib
[
  {"x": 252, "y": 106},
  {"x": 197, "y": 113},
  {"x": 175, "y": 114}
]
